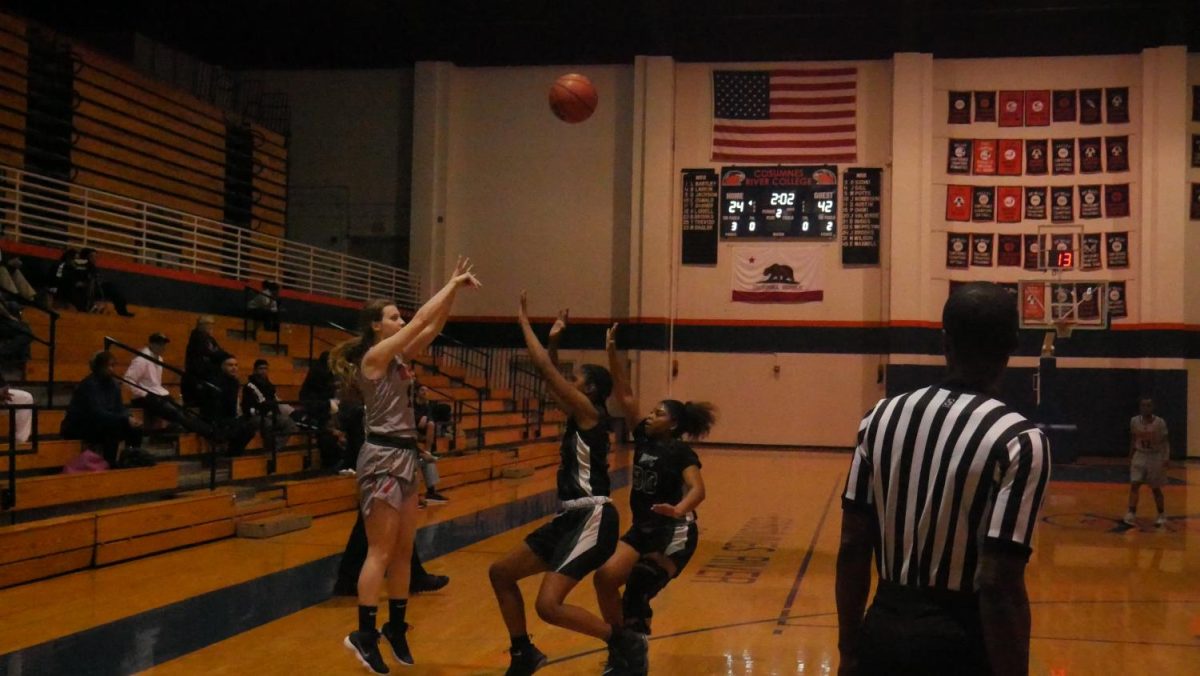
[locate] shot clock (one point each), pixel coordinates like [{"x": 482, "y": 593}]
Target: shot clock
[{"x": 779, "y": 202}]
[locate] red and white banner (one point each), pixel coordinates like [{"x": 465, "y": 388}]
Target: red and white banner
[{"x": 778, "y": 275}]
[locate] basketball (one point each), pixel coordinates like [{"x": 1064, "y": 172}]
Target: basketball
[{"x": 573, "y": 98}]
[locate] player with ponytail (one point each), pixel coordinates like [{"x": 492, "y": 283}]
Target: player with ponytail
[
  {"x": 667, "y": 487},
  {"x": 375, "y": 366}
]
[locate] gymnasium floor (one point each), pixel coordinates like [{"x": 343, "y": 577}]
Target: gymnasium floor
[{"x": 756, "y": 599}]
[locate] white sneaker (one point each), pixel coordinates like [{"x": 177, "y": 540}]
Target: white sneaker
[
  {"x": 1160, "y": 521},
  {"x": 346, "y": 472},
  {"x": 1130, "y": 519}
]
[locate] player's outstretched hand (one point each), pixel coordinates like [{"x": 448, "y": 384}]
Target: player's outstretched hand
[
  {"x": 464, "y": 275},
  {"x": 610, "y": 338},
  {"x": 560, "y": 323}
]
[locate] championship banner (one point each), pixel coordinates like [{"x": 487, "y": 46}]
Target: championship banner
[
  {"x": 785, "y": 275},
  {"x": 1116, "y": 149},
  {"x": 958, "y": 203},
  {"x": 1012, "y": 109},
  {"x": 1035, "y": 156},
  {"x": 1088, "y": 308},
  {"x": 1089, "y": 156},
  {"x": 983, "y": 203},
  {"x": 1008, "y": 251},
  {"x": 1061, "y": 242},
  {"x": 1195, "y": 150},
  {"x": 1116, "y": 200},
  {"x": 1035, "y": 204},
  {"x": 1037, "y": 108},
  {"x": 1008, "y": 152},
  {"x": 958, "y": 156},
  {"x": 985, "y": 157},
  {"x": 957, "y": 247},
  {"x": 1063, "y": 152},
  {"x": 1064, "y": 105},
  {"x": 1008, "y": 204},
  {"x": 1116, "y": 300},
  {"x": 1089, "y": 258},
  {"x": 1116, "y": 105},
  {"x": 1062, "y": 204},
  {"x": 985, "y": 106},
  {"x": 1030, "y": 247},
  {"x": 1089, "y": 106},
  {"x": 981, "y": 249},
  {"x": 1033, "y": 303},
  {"x": 1117, "y": 245},
  {"x": 960, "y": 108},
  {"x": 1194, "y": 212},
  {"x": 1089, "y": 201}
]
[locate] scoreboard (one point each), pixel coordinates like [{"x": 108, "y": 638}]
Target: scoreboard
[{"x": 779, "y": 202}]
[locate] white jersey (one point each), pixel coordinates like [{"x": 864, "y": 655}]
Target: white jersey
[{"x": 1149, "y": 438}]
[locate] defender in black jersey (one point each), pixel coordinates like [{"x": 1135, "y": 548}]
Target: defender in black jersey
[
  {"x": 667, "y": 487},
  {"x": 583, "y": 534}
]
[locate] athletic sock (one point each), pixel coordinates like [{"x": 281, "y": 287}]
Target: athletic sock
[
  {"x": 366, "y": 618},
  {"x": 396, "y": 610},
  {"x": 521, "y": 642}
]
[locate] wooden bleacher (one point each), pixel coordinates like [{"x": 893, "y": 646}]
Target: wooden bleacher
[{"x": 14, "y": 53}]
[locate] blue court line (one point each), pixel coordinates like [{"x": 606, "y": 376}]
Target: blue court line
[
  {"x": 138, "y": 642},
  {"x": 812, "y": 546}
]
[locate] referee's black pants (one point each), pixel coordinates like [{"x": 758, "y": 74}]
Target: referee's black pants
[{"x": 922, "y": 632}]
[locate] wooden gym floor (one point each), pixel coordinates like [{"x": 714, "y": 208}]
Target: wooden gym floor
[{"x": 757, "y": 597}]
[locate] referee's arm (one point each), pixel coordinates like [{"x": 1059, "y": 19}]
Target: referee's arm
[
  {"x": 859, "y": 532},
  {"x": 1003, "y": 600}
]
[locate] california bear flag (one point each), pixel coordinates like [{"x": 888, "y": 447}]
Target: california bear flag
[{"x": 771, "y": 275}]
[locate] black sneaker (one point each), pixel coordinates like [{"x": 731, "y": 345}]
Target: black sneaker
[
  {"x": 633, "y": 649},
  {"x": 398, "y": 640},
  {"x": 525, "y": 661},
  {"x": 435, "y": 498},
  {"x": 427, "y": 583},
  {"x": 365, "y": 647}
]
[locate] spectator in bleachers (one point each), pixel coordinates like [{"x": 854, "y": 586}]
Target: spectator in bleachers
[
  {"x": 97, "y": 415},
  {"x": 146, "y": 391},
  {"x": 23, "y": 416},
  {"x": 91, "y": 291},
  {"x": 15, "y": 335},
  {"x": 220, "y": 407},
  {"x": 12, "y": 281},
  {"x": 260, "y": 402},
  {"x": 201, "y": 363},
  {"x": 63, "y": 282},
  {"x": 264, "y": 306},
  {"x": 319, "y": 404}
]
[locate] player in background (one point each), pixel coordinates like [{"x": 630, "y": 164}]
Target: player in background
[
  {"x": 1149, "y": 450},
  {"x": 667, "y": 488},
  {"x": 584, "y": 533}
]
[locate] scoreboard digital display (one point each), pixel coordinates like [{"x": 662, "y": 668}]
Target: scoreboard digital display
[{"x": 779, "y": 202}]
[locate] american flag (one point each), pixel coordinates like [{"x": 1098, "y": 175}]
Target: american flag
[{"x": 787, "y": 115}]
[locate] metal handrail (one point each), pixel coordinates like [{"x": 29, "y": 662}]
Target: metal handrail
[
  {"x": 528, "y": 385},
  {"x": 8, "y": 494},
  {"x": 51, "y": 342},
  {"x": 41, "y": 210}
]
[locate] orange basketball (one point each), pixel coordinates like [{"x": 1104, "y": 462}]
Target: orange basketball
[{"x": 573, "y": 98}]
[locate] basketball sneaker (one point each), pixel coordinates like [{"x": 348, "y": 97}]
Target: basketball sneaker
[
  {"x": 1160, "y": 521},
  {"x": 398, "y": 640},
  {"x": 365, "y": 647},
  {"x": 1130, "y": 519},
  {"x": 525, "y": 661},
  {"x": 433, "y": 497},
  {"x": 632, "y": 651}
]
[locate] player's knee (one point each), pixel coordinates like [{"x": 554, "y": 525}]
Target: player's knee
[
  {"x": 498, "y": 575},
  {"x": 548, "y": 609},
  {"x": 646, "y": 579}
]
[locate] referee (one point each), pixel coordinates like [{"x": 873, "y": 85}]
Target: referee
[{"x": 944, "y": 489}]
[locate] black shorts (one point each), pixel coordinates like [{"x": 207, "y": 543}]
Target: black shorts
[
  {"x": 675, "y": 541},
  {"x": 921, "y": 632},
  {"x": 577, "y": 541}
]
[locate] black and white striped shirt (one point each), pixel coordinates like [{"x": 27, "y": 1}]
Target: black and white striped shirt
[{"x": 945, "y": 471}]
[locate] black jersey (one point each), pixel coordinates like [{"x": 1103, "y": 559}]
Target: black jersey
[
  {"x": 583, "y": 461},
  {"x": 658, "y": 476}
]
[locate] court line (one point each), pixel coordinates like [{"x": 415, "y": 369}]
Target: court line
[{"x": 812, "y": 546}]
